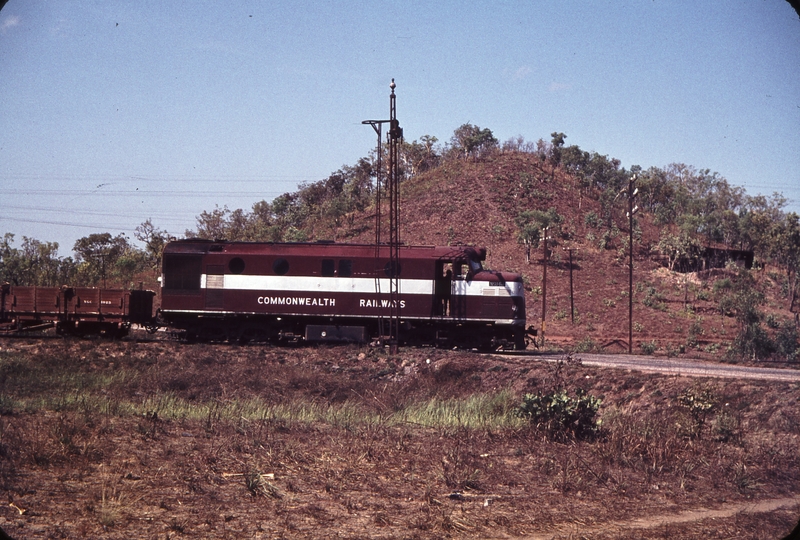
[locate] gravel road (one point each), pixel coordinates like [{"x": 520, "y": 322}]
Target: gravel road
[{"x": 686, "y": 367}]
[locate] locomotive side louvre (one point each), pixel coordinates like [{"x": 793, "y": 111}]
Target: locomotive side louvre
[{"x": 210, "y": 287}]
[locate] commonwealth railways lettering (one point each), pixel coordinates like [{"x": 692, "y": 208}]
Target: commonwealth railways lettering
[
  {"x": 295, "y": 301},
  {"x": 363, "y": 302}
]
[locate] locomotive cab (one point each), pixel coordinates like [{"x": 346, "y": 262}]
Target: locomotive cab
[{"x": 479, "y": 305}]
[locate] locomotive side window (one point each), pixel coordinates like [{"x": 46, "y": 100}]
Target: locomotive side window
[
  {"x": 345, "y": 268},
  {"x": 182, "y": 272},
  {"x": 392, "y": 269},
  {"x": 475, "y": 266},
  {"x": 460, "y": 268},
  {"x": 280, "y": 266},
  {"x": 236, "y": 265},
  {"x": 328, "y": 267}
]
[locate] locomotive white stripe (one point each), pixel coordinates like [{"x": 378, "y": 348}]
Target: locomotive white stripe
[
  {"x": 217, "y": 313},
  {"x": 314, "y": 284}
]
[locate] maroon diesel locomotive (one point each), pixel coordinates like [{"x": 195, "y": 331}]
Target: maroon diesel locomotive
[{"x": 214, "y": 290}]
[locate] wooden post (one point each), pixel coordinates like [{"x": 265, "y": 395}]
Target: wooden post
[
  {"x": 544, "y": 279},
  {"x": 631, "y": 210},
  {"x": 571, "y": 297}
]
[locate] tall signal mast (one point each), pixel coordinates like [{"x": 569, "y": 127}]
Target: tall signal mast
[{"x": 393, "y": 267}]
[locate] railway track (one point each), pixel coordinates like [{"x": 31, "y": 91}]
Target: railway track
[{"x": 684, "y": 367}]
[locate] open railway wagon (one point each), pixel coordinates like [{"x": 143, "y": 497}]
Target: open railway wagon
[
  {"x": 243, "y": 291},
  {"x": 74, "y": 310}
]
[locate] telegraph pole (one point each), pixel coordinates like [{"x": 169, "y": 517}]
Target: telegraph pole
[
  {"x": 632, "y": 192},
  {"x": 544, "y": 279},
  {"x": 571, "y": 296}
]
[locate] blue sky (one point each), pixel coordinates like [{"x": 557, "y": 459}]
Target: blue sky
[{"x": 116, "y": 112}]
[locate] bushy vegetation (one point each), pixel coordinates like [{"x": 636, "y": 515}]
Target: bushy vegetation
[
  {"x": 700, "y": 403},
  {"x": 99, "y": 259},
  {"x": 560, "y": 415}
]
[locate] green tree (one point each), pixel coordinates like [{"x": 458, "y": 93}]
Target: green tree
[
  {"x": 784, "y": 246},
  {"x": 154, "y": 240},
  {"x": 418, "y": 157},
  {"x": 34, "y": 263},
  {"x": 678, "y": 247},
  {"x": 531, "y": 223},
  {"x": 211, "y": 225},
  {"x": 43, "y": 261},
  {"x": 11, "y": 263},
  {"x": 742, "y": 299},
  {"x": 262, "y": 225},
  {"x": 472, "y": 141},
  {"x": 758, "y": 217},
  {"x": 556, "y": 148},
  {"x": 101, "y": 257}
]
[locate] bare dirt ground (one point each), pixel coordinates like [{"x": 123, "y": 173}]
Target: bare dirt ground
[{"x": 163, "y": 440}]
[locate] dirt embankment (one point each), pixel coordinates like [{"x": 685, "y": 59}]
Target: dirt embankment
[{"x": 122, "y": 440}]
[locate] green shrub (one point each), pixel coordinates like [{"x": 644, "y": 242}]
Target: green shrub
[
  {"x": 587, "y": 344},
  {"x": 699, "y": 403},
  {"x": 649, "y": 348},
  {"x": 561, "y": 416},
  {"x": 786, "y": 342},
  {"x": 772, "y": 321},
  {"x": 695, "y": 331},
  {"x": 605, "y": 240},
  {"x": 727, "y": 426},
  {"x": 722, "y": 285},
  {"x": 654, "y": 299}
]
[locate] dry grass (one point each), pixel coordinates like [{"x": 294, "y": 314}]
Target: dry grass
[{"x": 117, "y": 440}]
